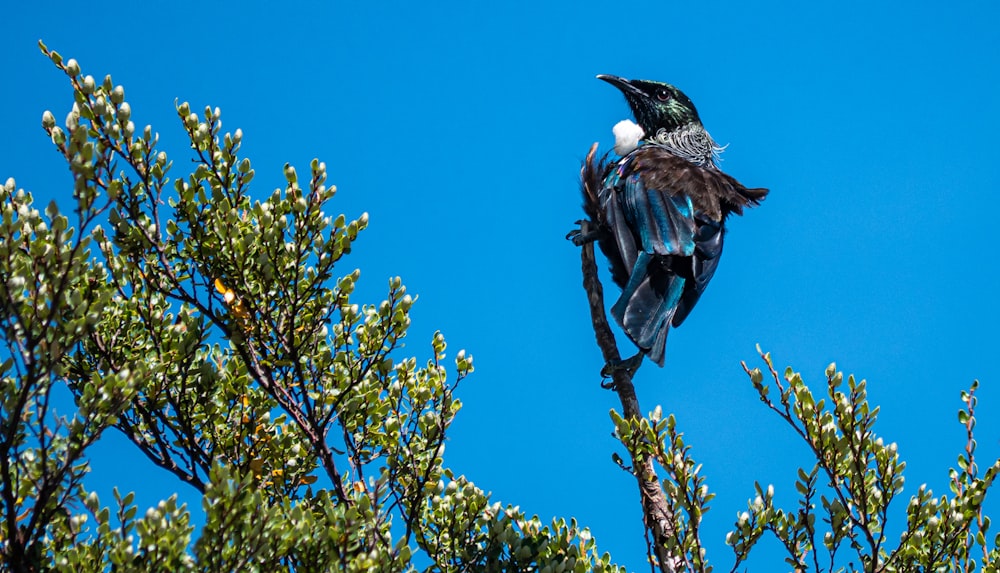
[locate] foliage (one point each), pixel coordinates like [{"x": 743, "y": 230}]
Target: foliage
[
  {"x": 685, "y": 490},
  {"x": 221, "y": 335},
  {"x": 850, "y": 487},
  {"x": 854, "y": 479}
]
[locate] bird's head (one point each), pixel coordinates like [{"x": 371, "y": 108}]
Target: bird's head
[{"x": 656, "y": 105}]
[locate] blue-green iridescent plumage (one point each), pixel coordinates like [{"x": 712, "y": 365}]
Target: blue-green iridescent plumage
[{"x": 659, "y": 213}]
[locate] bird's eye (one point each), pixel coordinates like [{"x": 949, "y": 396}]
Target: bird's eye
[{"x": 662, "y": 94}]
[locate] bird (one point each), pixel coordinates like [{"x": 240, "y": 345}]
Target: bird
[{"x": 658, "y": 213}]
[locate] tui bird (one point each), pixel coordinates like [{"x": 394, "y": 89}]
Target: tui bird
[{"x": 658, "y": 213}]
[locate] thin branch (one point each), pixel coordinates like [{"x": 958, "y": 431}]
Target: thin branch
[{"x": 656, "y": 512}]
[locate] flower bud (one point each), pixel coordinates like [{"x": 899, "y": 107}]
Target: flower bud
[
  {"x": 201, "y": 134},
  {"x": 72, "y": 67},
  {"x": 58, "y": 137},
  {"x": 48, "y": 120},
  {"x": 124, "y": 112},
  {"x": 290, "y": 175},
  {"x": 72, "y": 120}
]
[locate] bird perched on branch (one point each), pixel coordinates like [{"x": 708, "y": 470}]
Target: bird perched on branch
[{"x": 658, "y": 213}]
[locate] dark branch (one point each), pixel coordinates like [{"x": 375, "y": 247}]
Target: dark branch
[{"x": 656, "y": 513}]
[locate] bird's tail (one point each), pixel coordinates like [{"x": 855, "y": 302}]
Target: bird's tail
[{"x": 648, "y": 303}]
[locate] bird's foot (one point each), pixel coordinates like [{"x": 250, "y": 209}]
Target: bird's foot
[
  {"x": 587, "y": 233},
  {"x": 629, "y": 365}
]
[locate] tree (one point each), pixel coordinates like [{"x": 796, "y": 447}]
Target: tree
[{"x": 220, "y": 334}]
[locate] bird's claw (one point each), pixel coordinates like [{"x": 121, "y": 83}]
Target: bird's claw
[
  {"x": 585, "y": 234},
  {"x": 628, "y": 365}
]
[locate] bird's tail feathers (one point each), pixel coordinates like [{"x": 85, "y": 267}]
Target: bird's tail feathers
[
  {"x": 647, "y": 305},
  {"x": 592, "y": 176}
]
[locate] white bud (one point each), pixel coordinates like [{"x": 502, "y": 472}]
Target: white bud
[
  {"x": 72, "y": 67},
  {"x": 124, "y": 112},
  {"x": 48, "y": 120},
  {"x": 72, "y": 119}
]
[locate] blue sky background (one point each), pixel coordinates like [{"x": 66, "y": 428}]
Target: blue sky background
[{"x": 460, "y": 128}]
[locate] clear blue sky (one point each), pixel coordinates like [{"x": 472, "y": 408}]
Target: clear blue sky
[{"x": 460, "y": 130}]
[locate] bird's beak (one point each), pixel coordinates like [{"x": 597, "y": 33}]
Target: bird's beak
[{"x": 621, "y": 83}]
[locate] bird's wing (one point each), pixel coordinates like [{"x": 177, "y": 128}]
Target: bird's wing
[
  {"x": 707, "y": 251},
  {"x": 652, "y": 226},
  {"x": 662, "y": 219},
  {"x": 662, "y": 229},
  {"x": 597, "y": 196}
]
